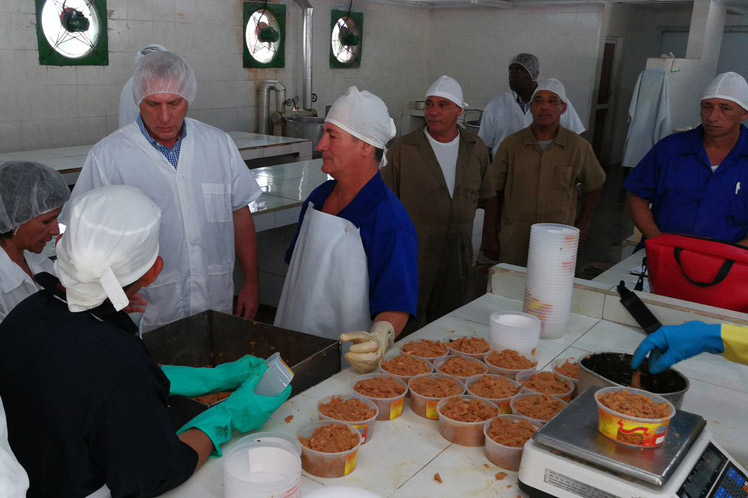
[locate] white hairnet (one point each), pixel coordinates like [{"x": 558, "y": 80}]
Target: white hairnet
[
  {"x": 529, "y": 62},
  {"x": 27, "y": 190},
  {"x": 110, "y": 242},
  {"x": 153, "y": 47},
  {"x": 551, "y": 85},
  {"x": 365, "y": 116},
  {"x": 448, "y": 88},
  {"x": 163, "y": 72},
  {"x": 729, "y": 86}
]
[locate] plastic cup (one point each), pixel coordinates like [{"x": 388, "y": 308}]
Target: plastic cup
[
  {"x": 475, "y": 356},
  {"x": 364, "y": 427},
  {"x": 263, "y": 464},
  {"x": 405, "y": 378},
  {"x": 323, "y": 464},
  {"x": 458, "y": 432},
  {"x": 506, "y": 457},
  {"x": 508, "y": 372},
  {"x": 425, "y": 406},
  {"x": 517, "y": 331},
  {"x": 389, "y": 408},
  {"x": 439, "y": 364},
  {"x": 566, "y": 395},
  {"x": 276, "y": 377},
  {"x": 515, "y": 411},
  {"x": 502, "y": 403},
  {"x": 629, "y": 430}
]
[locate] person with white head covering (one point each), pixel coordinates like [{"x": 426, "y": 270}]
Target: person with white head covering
[
  {"x": 31, "y": 197},
  {"x": 509, "y": 112},
  {"x": 195, "y": 174},
  {"x": 440, "y": 173},
  {"x": 540, "y": 168},
  {"x": 128, "y": 108},
  {"x": 354, "y": 262},
  {"x": 86, "y": 405},
  {"x": 695, "y": 182}
]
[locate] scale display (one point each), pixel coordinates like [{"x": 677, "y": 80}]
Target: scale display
[{"x": 711, "y": 467}]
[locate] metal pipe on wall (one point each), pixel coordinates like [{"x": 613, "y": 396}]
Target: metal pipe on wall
[
  {"x": 263, "y": 106},
  {"x": 307, "y": 53}
]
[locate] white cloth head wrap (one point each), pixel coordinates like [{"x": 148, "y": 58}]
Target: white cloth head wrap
[
  {"x": 551, "y": 85},
  {"x": 729, "y": 86},
  {"x": 448, "y": 88},
  {"x": 365, "y": 116},
  {"x": 111, "y": 241},
  {"x": 163, "y": 72}
]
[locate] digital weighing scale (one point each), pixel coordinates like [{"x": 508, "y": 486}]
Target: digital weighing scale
[{"x": 569, "y": 458}]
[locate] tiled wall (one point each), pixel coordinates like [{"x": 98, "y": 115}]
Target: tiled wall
[{"x": 48, "y": 106}]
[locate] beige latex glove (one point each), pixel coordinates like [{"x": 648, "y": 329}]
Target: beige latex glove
[{"x": 369, "y": 347}]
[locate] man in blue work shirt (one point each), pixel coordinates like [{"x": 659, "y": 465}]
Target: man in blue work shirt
[
  {"x": 697, "y": 181},
  {"x": 354, "y": 262}
]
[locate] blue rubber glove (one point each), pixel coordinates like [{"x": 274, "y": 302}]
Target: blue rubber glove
[
  {"x": 677, "y": 343},
  {"x": 190, "y": 381},
  {"x": 243, "y": 411}
]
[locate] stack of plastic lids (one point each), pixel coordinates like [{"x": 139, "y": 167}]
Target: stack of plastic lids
[{"x": 551, "y": 262}]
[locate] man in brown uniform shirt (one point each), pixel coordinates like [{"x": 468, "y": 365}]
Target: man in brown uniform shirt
[
  {"x": 540, "y": 168},
  {"x": 440, "y": 173}
]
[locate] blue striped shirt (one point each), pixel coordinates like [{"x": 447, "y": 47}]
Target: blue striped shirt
[{"x": 171, "y": 154}]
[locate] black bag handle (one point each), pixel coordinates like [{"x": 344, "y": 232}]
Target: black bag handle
[{"x": 721, "y": 275}]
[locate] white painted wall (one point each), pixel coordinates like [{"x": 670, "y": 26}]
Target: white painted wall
[{"x": 48, "y": 106}]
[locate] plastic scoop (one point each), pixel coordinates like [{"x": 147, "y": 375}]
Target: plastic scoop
[{"x": 276, "y": 378}]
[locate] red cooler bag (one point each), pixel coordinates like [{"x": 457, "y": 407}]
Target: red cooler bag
[{"x": 699, "y": 270}]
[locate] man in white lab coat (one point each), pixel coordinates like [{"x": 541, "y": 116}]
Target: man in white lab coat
[
  {"x": 195, "y": 174},
  {"x": 509, "y": 112}
]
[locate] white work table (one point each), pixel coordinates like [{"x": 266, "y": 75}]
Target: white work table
[{"x": 403, "y": 455}]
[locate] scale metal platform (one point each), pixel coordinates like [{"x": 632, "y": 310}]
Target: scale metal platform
[{"x": 568, "y": 457}]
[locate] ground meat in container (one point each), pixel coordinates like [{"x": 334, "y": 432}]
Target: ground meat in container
[
  {"x": 494, "y": 387},
  {"x": 635, "y": 405},
  {"x": 406, "y": 366},
  {"x": 425, "y": 349},
  {"x": 468, "y": 410},
  {"x": 350, "y": 410},
  {"x": 509, "y": 359},
  {"x": 470, "y": 345},
  {"x": 379, "y": 387},
  {"x": 511, "y": 432},
  {"x": 331, "y": 438},
  {"x": 329, "y": 449},
  {"x": 462, "y": 367},
  {"x": 569, "y": 368},
  {"x": 549, "y": 383},
  {"x": 435, "y": 387},
  {"x": 461, "y": 419},
  {"x": 537, "y": 406}
]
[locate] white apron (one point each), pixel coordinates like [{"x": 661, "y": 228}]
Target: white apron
[{"x": 326, "y": 291}]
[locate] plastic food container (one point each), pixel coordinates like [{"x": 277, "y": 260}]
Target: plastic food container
[
  {"x": 323, "y": 464},
  {"x": 561, "y": 361},
  {"x": 630, "y": 430},
  {"x": 462, "y": 433},
  {"x": 405, "y": 378},
  {"x": 263, "y": 464},
  {"x": 389, "y": 408},
  {"x": 566, "y": 395},
  {"x": 508, "y": 372},
  {"x": 502, "y": 403},
  {"x": 513, "y": 405},
  {"x": 364, "y": 427},
  {"x": 477, "y": 356},
  {"x": 276, "y": 377},
  {"x": 427, "y": 358},
  {"x": 517, "y": 331},
  {"x": 506, "y": 457},
  {"x": 438, "y": 365},
  {"x": 425, "y": 406}
]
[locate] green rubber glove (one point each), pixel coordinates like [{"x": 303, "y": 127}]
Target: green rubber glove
[
  {"x": 243, "y": 411},
  {"x": 191, "y": 381}
]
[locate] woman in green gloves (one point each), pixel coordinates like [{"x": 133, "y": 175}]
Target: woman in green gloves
[{"x": 86, "y": 405}]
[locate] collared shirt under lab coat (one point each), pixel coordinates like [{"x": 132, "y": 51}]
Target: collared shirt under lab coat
[
  {"x": 15, "y": 284},
  {"x": 13, "y": 479},
  {"x": 503, "y": 117},
  {"x": 197, "y": 199}
]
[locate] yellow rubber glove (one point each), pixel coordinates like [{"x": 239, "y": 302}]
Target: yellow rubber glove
[{"x": 369, "y": 347}]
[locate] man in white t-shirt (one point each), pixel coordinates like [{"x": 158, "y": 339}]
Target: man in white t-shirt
[{"x": 440, "y": 173}]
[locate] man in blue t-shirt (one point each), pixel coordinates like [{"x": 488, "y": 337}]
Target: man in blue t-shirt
[
  {"x": 697, "y": 181},
  {"x": 354, "y": 261}
]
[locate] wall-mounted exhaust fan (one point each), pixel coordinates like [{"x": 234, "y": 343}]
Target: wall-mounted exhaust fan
[
  {"x": 264, "y": 35},
  {"x": 346, "y": 38},
  {"x": 72, "y": 32}
]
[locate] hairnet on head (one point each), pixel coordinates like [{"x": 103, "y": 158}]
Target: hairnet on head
[
  {"x": 729, "y": 86},
  {"x": 153, "y": 47},
  {"x": 110, "y": 242},
  {"x": 448, "y": 88},
  {"x": 529, "y": 62},
  {"x": 551, "y": 85},
  {"x": 27, "y": 190},
  {"x": 163, "y": 72},
  {"x": 365, "y": 116}
]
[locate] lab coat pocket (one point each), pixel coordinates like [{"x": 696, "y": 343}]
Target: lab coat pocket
[{"x": 217, "y": 202}]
